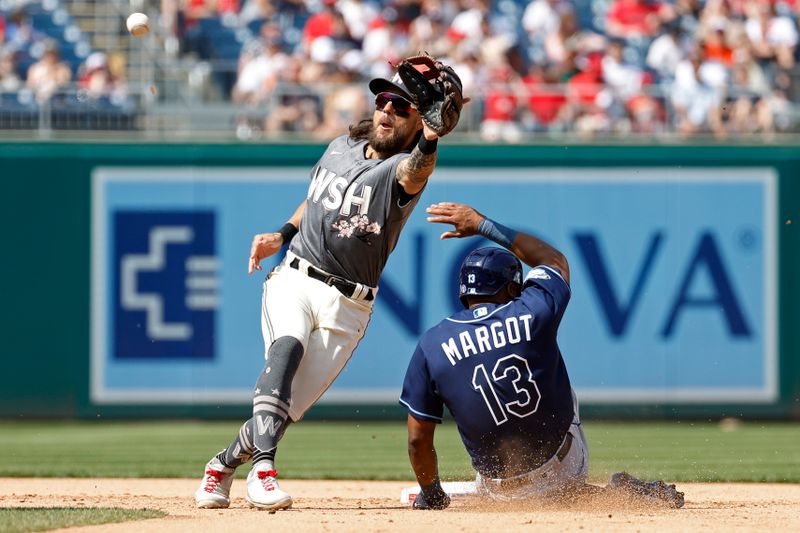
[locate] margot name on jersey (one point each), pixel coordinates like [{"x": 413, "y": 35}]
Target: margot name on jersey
[{"x": 486, "y": 338}]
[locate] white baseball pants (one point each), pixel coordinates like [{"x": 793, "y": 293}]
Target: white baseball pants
[
  {"x": 328, "y": 324},
  {"x": 553, "y": 476}
]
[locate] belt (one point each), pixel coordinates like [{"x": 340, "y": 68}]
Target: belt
[
  {"x": 357, "y": 291},
  {"x": 523, "y": 479}
]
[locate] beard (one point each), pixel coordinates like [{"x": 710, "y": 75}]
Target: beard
[{"x": 389, "y": 144}]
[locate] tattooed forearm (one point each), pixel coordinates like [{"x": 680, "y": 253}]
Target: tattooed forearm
[{"x": 418, "y": 167}]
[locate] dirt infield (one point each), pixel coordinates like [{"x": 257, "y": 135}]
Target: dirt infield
[{"x": 374, "y": 506}]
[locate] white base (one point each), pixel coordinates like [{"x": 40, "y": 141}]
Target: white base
[{"x": 454, "y": 489}]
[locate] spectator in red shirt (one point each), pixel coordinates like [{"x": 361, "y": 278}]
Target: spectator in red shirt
[
  {"x": 227, "y": 6},
  {"x": 500, "y": 120},
  {"x": 197, "y": 9},
  {"x": 585, "y": 97},
  {"x": 646, "y": 113},
  {"x": 585, "y": 86},
  {"x": 545, "y": 97},
  {"x": 633, "y": 18},
  {"x": 716, "y": 47},
  {"x": 319, "y": 24}
]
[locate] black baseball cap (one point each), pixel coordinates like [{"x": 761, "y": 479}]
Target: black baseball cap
[{"x": 396, "y": 85}]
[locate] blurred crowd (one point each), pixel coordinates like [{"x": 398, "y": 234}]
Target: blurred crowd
[
  {"x": 723, "y": 67},
  {"x": 31, "y": 62},
  {"x": 531, "y": 67}
]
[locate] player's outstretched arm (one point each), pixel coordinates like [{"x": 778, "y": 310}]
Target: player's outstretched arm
[
  {"x": 413, "y": 171},
  {"x": 467, "y": 221},
  {"x": 422, "y": 454},
  {"x": 267, "y": 244}
]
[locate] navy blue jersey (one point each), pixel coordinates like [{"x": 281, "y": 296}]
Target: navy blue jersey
[{"x": 500, "y": 373}]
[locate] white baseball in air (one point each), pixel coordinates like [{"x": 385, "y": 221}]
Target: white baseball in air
[{"x": 138, "y": 24}]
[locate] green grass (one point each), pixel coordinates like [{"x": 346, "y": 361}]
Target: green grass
[
  {"x": 683, "y": 451},
  {"x": 19, "y": 520}
]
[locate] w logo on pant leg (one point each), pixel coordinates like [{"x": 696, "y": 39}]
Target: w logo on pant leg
[{"x": 268, "y": 423}]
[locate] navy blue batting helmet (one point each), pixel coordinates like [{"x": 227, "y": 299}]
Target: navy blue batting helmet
[{"x": 487, "y": 270}]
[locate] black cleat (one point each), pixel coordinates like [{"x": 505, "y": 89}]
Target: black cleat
[{"x": 653, "y": 490}]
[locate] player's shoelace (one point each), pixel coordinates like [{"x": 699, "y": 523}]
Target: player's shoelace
[
  {"x": 267, "y": 478},
  {"x": 213, "y": 479}
]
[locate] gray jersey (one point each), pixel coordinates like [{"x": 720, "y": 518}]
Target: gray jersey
[{"x": 354, "y": 215}]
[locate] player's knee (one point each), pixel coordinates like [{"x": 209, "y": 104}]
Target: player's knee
[{"x": 286, "y": 351}]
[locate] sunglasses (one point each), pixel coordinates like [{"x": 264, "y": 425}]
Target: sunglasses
[{"x": 402, "y": 107}]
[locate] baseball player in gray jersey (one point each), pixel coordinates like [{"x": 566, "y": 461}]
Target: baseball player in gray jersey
[{"x": 317, "y": 303}]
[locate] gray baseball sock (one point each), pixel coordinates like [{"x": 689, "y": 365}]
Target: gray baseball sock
[
  {"x": 272, "y": 396},
  {"x": 241, "y": 449}
]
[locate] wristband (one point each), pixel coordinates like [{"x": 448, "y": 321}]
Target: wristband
[
  {"x": 497, "y": 232},
  {"x": 287, "y": 232},
  {"x": 427, "y": 147}
]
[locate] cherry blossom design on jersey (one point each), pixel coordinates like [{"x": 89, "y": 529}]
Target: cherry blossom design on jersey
[{"x": 358, "y": 226}]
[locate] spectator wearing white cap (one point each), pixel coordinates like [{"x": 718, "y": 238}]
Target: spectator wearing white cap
[{"x": 95, "y": 77}]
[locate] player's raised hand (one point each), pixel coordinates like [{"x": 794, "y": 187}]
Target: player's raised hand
[
  {"x": 464, "y": 219},
  {"x": 264, "y": 245},
  {"x": 429, "y": 132}
]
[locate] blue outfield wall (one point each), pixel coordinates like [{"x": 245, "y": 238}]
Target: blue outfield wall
[{"x": 127, "y": 292}]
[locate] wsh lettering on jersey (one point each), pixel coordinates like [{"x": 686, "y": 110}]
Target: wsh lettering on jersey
[
  {"x": 165, "y": 285},
  {"x": 336, "y": 197}
]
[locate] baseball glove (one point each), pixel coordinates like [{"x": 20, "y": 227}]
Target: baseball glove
[{"x": 436, "y": 90}]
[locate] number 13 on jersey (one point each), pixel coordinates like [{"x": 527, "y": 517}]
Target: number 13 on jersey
[{"x": 510, "y": 389}]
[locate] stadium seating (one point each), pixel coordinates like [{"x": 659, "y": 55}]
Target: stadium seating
[{"x": 207, "y": 53}]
